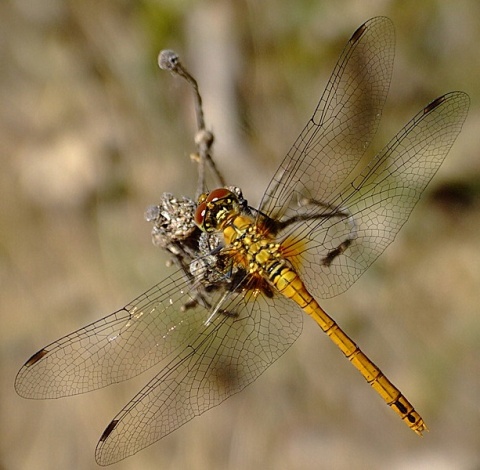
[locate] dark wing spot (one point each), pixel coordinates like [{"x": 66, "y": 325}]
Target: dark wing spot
[
  {"x": 36, "y": 357},
  {"x": 358, "y": 34},
  {"x": 431, "y": 106},
  {"x": 109, "y": 430}
]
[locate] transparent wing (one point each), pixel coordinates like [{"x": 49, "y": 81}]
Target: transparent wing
[
  {"x": 224, "y": 358},
  {"x": 343, "y": 124},
  {"x": 117, "y": 347},
  {"x": 336, "y": 242}
]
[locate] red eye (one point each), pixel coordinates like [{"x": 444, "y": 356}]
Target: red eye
[
  {"x": 200, "y": 214},
  {"x": 219, "y": 193}
]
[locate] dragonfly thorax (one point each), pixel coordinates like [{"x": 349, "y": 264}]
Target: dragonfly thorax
[{"x": 253, "y": 249}]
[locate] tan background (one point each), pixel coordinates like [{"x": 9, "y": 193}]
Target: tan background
[{"x": 91, "y": 132}]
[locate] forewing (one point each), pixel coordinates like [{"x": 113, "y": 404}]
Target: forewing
[
  {"x": 343, "y": 124},
  {"x": 224, "y": 358},
  {"x": 117, "y": 347},
  {"x": 377, "y": 202}
]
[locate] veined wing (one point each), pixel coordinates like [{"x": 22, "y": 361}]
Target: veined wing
[
  {"x": 343, "y": 124},
  {"x": 226, "y": 356},
  {"x": 117, "y": 347},
  {"x": 372, "y": 207}
]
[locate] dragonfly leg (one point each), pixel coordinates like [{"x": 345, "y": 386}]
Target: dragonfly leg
[{"x": 329, "y": 212}]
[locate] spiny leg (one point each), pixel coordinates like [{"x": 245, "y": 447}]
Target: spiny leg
[{"x": 331, "y": 211}]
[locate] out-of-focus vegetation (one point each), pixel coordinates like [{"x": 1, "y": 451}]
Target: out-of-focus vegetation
[{"x": 91, "y": 132}]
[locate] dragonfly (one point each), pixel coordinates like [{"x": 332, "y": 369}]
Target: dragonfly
[{"x": 247, "y": 276}]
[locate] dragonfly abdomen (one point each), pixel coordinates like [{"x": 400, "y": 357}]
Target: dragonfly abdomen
[{"x": 289, "y": 284}]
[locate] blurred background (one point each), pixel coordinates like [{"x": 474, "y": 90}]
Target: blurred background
[{"x": 91, "y": 132}]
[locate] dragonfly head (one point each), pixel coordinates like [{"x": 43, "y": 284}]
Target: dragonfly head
[{"x": 215, "y": 208}]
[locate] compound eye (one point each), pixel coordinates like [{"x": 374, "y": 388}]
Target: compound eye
[
  {"x": 219, "y": 193},
  {"x": 200, "y": 214}
]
